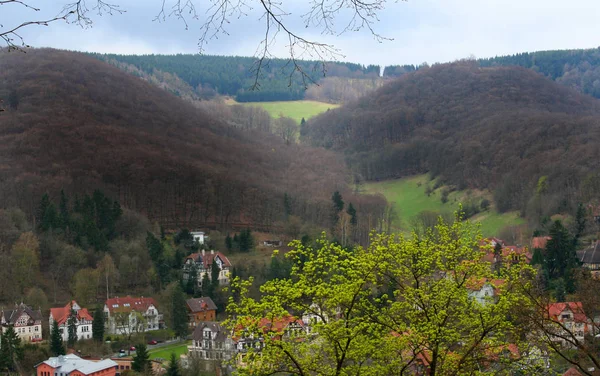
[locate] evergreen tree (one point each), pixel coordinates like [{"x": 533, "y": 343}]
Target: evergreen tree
[
  {"x": 63, "y": 210},
  {"x": 156, "y": 252},
  {"x": 72, "y": 328},
  {"x": 560, "y": 252},
  {"x": 228, "y": 243},
  {"x": 192, "y": 280},
  {"x": 287, "y": 205},
  {"x": 214, "y": 275},
  {"x": 173, "y": 369},
  {"x": 580, "y": 222},
  {"x": 179, "y": 313},
  {"x": 41, "y": 210},
  {"x": 537, "y": 258},
  {"x": 56, "y": 343},
  {"x": 560, "y": 290},
  {"x": 51, "y": 219},
  {"x": 338, "y": 203},
  {"x": 246, "y": 241},
  {"x": 13, "y": 99},
  {"x": 98, "y": 325},
  {"x": 141, "y": 360},
  {"x": 352, "y": 213},
  {"x": 207, "y": 289},
  {"x": 11, "y": 351},
  {"x": 236, "y": 242}
]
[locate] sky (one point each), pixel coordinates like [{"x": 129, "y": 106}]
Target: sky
[{"x": 417, "y": 30}]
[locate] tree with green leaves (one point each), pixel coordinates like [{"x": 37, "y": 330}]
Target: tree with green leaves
[
  {"x": 72, "y": 328},
  {"x": 560, "y": 252},
  {"x": 56, "y": 343},
  {"x": 287, "y": 205},
  {"x": 192, "y": 280},
  {"x": 246, "y": 240},
  {"x": 580, "y": 222},
  {"x": 384, "y": 309},
  {"x": 11, "y": 351},
  {"x": 156, "y": 252},
  {"x": 215, "y": 270},
  {"x": 228, "y": 243},
  {"x": 141, "y": 360},
  {"x": 352, "y": 213},
  {"x": 63, "y": 209},
  {"x": 179, "y": 312},
  {"x": 174, "y": 368},
  {"x": 338, "y": 202},
  {"x": 207, "y": 287},
  {"x": 98, "y": 325}
]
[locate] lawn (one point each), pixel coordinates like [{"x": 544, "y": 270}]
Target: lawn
[
  {"x": 165, "y": 352},
  {"x": 294, "y": 109},
  {"x": 409, "y": 199}
]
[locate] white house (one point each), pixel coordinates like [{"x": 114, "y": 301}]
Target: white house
[
  {"x": 567, "y": 320},
  {"x": 83, "y": 320},
  {"x": 131, "y": 315},
  {"x": 211, "y": 342},
  {"x": 198, "y": 236},
  {"x": 26, "y": 322},
  {"x": 202, "y": 262}
]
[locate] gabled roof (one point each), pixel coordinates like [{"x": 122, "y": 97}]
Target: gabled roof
[
  {"x": 214, "y": 327},
  {"x": 128, "y": 304},
  {"x": 61, "y": 315},
  {"x": 590, "y": 255},
  {"x": 572, "y": 372},
  {"x": 556, "y": 309},
  {"x": 201, "y": 304},
  {"x": 207, "y": 259},
  {"x": 69, "y": 363},
  {"x": 10, "y": 317}
]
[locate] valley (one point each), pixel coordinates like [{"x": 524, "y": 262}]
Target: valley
[{"x": 296, "y": 110}]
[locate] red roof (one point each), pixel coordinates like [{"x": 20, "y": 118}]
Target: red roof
[
  {"x": 477, "y": 283},
  {"x": 61, "y": 315},
  {"x": 208, "y": 258},
  {"x": 555, "y": 310},
  {"x": 128, "y": 304},
  {"x": 572, "y": 372}
]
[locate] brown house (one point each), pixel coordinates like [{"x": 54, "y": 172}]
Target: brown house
[{"x": 201, "y": 309}]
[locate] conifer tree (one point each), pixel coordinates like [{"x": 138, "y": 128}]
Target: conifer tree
[
  {"x": 98, "y": 325},
  {"x": 228, "y": 243},
  {"x": 56, "y": 343},
  {"x": 207, "y": 289},
  {"x": 72, "y": 328},
  {"x": 173, "y": 369},
  {"x": 214, "y": 275},
  {"x": 179, "y": 313},
  {"x": 352, "y": 213},
  {"x": 141, "y": 359},
  {"x": 11, "y": 351},
  {"x": 63, "y": 210}
]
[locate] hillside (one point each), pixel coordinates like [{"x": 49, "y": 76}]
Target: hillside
[
  {"x": 76, "y": 123},
  {"x": 499, "y": 128}
]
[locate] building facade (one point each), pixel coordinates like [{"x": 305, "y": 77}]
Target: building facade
[
  {"x": 26, "y": 322},
  {"x": 83, "y": 320},
  {"x": 131, "y": 315},
  {"x": 200, "y": 310},
  {"x": 202, "y": 262},
  {"x": 72, "y": 365}
]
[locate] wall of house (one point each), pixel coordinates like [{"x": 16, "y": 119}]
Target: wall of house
[
  {"x": 30, "y": 333},
  {"x": 44, "y": 370}
]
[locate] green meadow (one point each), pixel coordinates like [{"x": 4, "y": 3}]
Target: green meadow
[{"x": 293, "y": 109}]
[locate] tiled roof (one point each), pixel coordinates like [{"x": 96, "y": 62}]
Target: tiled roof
[
  {"x": 207, "y": 259},
  {"x": 128, "y": 304},
  {"x": 540, "y": 242},
  {"x": 590, "y": 255},
  {"x": 555, "y": 310},
  {"x": 69, "y": 363},
  {"x": 11, "y": 316},
  {"x": 572, "y": 372},
  {"x": 214, "y": 327},
  {"x": 201, "y": 304},
  {"x": 61, "y": 315}
]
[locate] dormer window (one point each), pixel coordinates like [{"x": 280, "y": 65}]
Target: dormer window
[{"x": 566, "y": 317}]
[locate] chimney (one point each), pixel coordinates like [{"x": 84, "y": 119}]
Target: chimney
[
  {"x": 212, "y": 251},
  {"x": 203, "y": 252}
]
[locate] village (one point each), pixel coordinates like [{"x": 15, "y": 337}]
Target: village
[{"x": 218, "y": 348}]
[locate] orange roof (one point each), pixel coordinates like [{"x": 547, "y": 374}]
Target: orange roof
[
  {"x": 208, "y": 258},
  {"x": 555, "y": 310},
  {"x": 572, "y": 372},
  {"x": 61, "y": 315},
  {"x": 128, "y": 304},
  {"x": 540, "y": 242}
]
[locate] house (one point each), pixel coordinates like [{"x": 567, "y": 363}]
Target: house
[
  {"x": 200, "y": 310},
  {"x": 210, "y": 341},
  {"x": 131, "y": 315},
  {"x": 202, "y": 263},
  {"x": 272, "y": 243},
  {"x": 571, "y": 316},
  {"x": 573, "y": 371},
  {"x": 26, "y": 322},
  {"x": 72, "y": 365},
  {"x": 198, "y": 236},
  {"x": 590, "y": 258},
  {"x": 508, "y": 253},
  {"x": 83, "y": 320},
  {"x": 484, "y": 291}
]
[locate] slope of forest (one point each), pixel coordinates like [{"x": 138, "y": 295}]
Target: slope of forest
[
  {"x": 75, "y": 123},
  {"x": 235, "y": 75},
  {"x": 530, "y": 140}
]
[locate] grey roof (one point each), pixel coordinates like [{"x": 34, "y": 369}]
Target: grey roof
[
  {"x": 69, "y": 363},
  {"x": 590, "y": 255},
  {"x": 201, "y": 304},
  {"x": 214, "y": 327},
  {"x": 10, "y": 316}
]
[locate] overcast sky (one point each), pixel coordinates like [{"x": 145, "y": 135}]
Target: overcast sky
[{"x": 422, "y": 30}]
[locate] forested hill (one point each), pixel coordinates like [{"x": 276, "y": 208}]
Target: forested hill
[
  {"x": 502, "y": 128},
  {"x": 75, "y": 123},
  {"x": 235, "y": 75},
  {"x": 578, "y": 69}
]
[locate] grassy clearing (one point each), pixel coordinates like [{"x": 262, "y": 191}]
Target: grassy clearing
[
  {"x": 293, "y": 109},
  {"x": 409, "y": 199},
  {"x": 165, "y": 352}
]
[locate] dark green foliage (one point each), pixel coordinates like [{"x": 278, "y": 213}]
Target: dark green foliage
[
  {"x": 352, "y": 213},
  {"x": 11, "y": 351},
  {"x": 41, "y": 211},
  {"x": 98, "y": 325},
  {"x": 192, "y": 281},
  {"x": 537, "y": 258},
  {"x": 207, "y": 286},
  {"x": 179, "y": 314},
  {"x": 13, "y": 100},
  {"x": 287, "y": 205},
  {"x": 280, "y": 268},
  {"x": 56, "y": 343},
  {"x": 560, "y": 252},
  {"x": 580, "y": 222},
  {"x": 444, "y": 196},
  {"x": 214, "y": 275},
  {"x": 560, "y": 290},
  {"x": 141, "y": 360},
  {"x": 174, "y": 369},
  {"x": 229, "y": 243},
  {"x": 64, "y": 210},
  {"x": 156, "y": 252},
  {"x": 245, "y": 241},
  {"x": 338, "y": 202},
  {"x": 485, "y": 204},
  {"x": 72, "y": 328},
  {"x": 184, "y": 237}
]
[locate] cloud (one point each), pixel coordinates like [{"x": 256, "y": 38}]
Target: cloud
[{"x": 422, "y": 30}]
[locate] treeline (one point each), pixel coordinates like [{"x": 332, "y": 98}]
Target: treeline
[
  {"x": 497, "y": 128},
  {"x": 577, "y": 69},
  {"x": 236, "y": 75}
]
